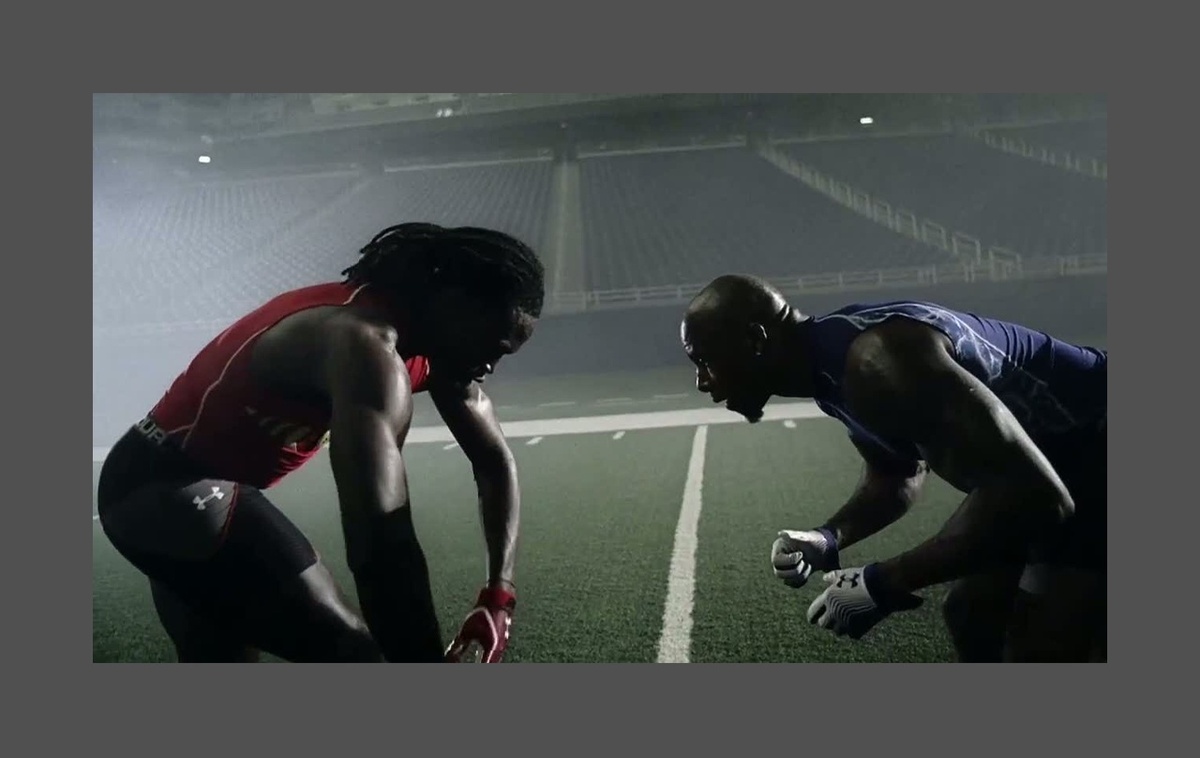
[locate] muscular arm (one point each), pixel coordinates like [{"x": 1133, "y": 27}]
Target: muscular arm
[
  {"x": 885, "y": 492},
  {"x": 469, "y": 415},
  {"x": 371, "y": 411},
  {"x": 902, "y": 378}
]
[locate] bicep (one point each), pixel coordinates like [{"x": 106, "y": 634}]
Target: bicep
[
  {"x": 371, "y": 409},
  {"x": 883, "y": 465},
  {"x": 919, "y": 392},
  {"x": 971, "y": 432}
]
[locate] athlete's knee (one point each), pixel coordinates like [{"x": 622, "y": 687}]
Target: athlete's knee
[
  {"x": 976, "y": 612},
  {"x": 356, "y": 645},
  {"x": 1059, "y": 615},
  {"x": 345, "y": 635},
  {"x": 957, "y": 608},
  {"x": 337, "y": 635},
  {"x": 1033, "y": 638}
]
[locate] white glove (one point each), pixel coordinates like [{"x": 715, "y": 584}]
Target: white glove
[
  {"x": 795, "y": 555},
  {"x": 846, "y": 607}
]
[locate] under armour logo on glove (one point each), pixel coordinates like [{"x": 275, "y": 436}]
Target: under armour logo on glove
[{"x": 847, "y": 607}]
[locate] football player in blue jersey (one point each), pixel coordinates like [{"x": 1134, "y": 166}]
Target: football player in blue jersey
[{"x": 1010, "y": 416}]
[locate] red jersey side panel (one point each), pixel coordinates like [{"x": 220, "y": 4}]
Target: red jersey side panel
[{"x": 240, "y": 431}]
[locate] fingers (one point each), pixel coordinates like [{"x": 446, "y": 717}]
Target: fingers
[
  {"x": 786, "y": 541},
  {"x": 818, "y": 610},
  {"x": 789, "y": 566},
  {"x": 796, "y": 576},
  {"x": 778, "y": 548},
  {"x": 783, "y": 560}
]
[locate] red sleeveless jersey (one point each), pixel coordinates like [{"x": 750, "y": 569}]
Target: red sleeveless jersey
[{"x": 237, "y": 429}]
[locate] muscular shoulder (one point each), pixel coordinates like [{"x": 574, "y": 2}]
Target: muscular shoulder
[
  {"x": 345, "y": 330},
  {"x": 891, "y": 368},
  {"x": 358, "y": 355}
]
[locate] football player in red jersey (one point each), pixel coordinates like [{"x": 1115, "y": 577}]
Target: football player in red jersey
[{"x": 425, "y": 308}]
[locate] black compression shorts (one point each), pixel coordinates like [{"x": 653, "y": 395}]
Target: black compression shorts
[{"x": 216, "y": 544}]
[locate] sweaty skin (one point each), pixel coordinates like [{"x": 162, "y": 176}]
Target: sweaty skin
[
  {"x": 902, "y": 381},
  {"x": 730, "y": 331},
  {"x": 351, "y": 358}
]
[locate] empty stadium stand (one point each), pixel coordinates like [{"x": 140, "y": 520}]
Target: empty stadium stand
[
  {"x": 957, "y": 181},
  {"x": 665, "y": 218}
]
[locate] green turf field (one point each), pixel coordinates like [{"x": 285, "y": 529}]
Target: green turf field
[
  {"x": 599, "y": 518},
  {"x": 598, "y": 526}
]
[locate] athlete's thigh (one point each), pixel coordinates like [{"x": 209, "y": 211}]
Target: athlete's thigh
[
  {"x": 309, "y": 621},
  {"x": 198, "y": 639},
  {"x": 1060, "y": 615},
  {"x": 977, "y": 611},
  {"x": 227, "y": 554},
  {"x": 281, "y": 596},
  {"x": 1061, "y": 611}
]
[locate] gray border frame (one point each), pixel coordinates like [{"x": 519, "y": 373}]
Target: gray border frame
[{"x": 307, "y": 709}]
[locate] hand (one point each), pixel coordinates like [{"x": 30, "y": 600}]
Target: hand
[
  {"x": 854, "y": 602},
  {"x": 795, "y": 555},
  {"x": 485, "y": 631}
]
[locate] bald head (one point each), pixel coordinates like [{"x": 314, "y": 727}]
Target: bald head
[
  {"x": 735, "y": 300},
  {"x": 726, "y": 332}
]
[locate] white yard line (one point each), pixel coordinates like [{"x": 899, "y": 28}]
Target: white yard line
[{"x": 674, "y": 646}]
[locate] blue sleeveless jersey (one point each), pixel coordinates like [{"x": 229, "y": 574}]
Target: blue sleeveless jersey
[{"x": 1056, "y": 390}]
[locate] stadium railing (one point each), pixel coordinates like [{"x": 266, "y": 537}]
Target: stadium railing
[
  {"x": 899, "y": 220},
  {"x": 955, "y": 272},
  {"x": 1083, "y": 165},
  {"x": 964, "y": 271}
]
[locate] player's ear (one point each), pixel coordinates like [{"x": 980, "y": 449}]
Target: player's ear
[{"x": 758, "y": 339}]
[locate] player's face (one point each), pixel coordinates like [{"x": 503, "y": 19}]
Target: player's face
[
  {"x": 726, "y": 371},
  {"x": 470, "y": 338}
]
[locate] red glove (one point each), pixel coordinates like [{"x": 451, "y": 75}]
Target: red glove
[{"x": 484, "y": 634}]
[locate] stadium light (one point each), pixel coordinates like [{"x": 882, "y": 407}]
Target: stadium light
[
  {"x": 204, "y": 159},
  {"x": 865, "y": 120}
]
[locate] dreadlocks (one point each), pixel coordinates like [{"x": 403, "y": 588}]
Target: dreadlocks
[{"x": 408, "y": 259}]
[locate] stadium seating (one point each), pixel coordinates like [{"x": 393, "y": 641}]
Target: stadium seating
[
  {"x": 211, "y": 252},
  {"x": 147, "y": 256},
  {"x": 208, "y": 253},
  {"x": 1001, "y": 199},
  {"x": 669, "y": 218},
  {"x": 511, "y": 197}
]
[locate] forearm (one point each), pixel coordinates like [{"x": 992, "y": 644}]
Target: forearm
[
  {"x": 383, "y": 553},
  {"x": 392, "y": 580},
  {"x": 871, "y": 509},
  {"x": 499, "y": 507},
  {"x": 993, "y": 529}
]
